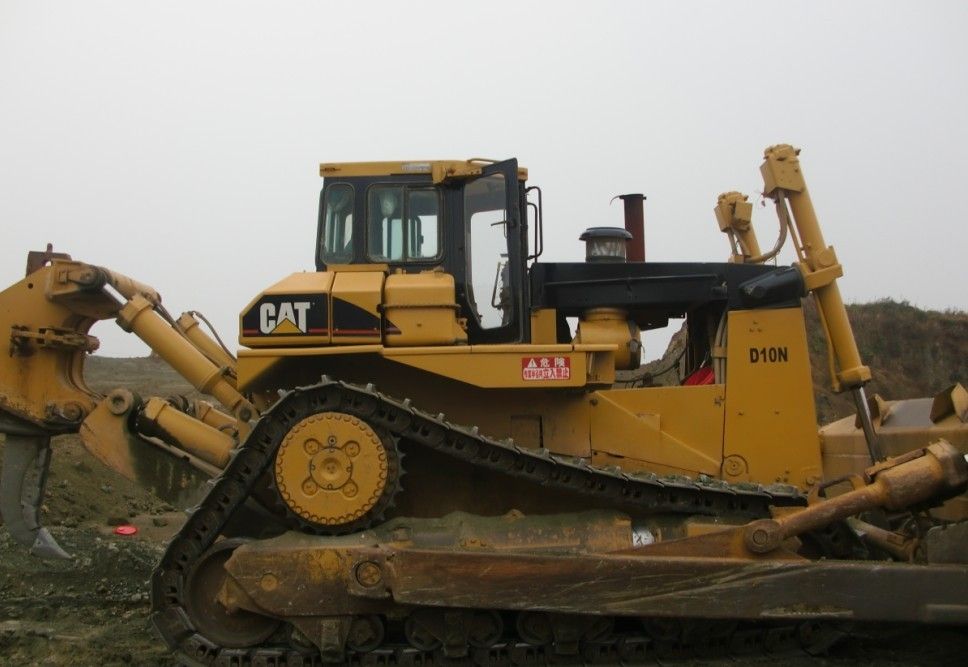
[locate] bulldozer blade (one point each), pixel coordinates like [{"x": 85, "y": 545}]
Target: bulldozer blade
[{"x": 26, "y": 459}]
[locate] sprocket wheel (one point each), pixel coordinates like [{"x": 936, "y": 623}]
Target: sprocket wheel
[{"x": 335, "y": 473}]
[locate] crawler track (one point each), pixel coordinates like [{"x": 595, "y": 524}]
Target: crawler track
[{"x": 250, "y": 461}]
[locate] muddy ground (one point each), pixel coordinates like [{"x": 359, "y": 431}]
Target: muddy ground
[{"x": 93, "y": 609}]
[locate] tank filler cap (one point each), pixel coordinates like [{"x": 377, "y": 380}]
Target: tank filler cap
[{"x": 605, "y": 244}]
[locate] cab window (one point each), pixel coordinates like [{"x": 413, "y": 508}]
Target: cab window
[
  {"x": 336, "y": 241},
  {"x": 403, "y": 224},
  {"x": 488, "y": 281}
]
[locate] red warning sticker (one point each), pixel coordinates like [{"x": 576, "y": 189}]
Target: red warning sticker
[{"x": 545, "y": 368}]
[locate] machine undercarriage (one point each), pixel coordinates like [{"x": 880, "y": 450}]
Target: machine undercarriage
[{"x": 593, "y": 585}]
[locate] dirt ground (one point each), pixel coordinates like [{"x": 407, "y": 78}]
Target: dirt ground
[{"x": 93, "y": 609}]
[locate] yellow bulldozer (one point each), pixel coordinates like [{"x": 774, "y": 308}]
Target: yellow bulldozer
[{"x": 415, "y": 459}]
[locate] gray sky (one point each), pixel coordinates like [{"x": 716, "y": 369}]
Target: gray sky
[{"x": 179, "y": 142}]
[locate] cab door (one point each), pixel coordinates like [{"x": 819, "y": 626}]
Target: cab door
[{"x": 491, "y": 292}]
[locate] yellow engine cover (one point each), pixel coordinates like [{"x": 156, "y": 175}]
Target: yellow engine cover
[
  {"x": 421, "y": 309},
  {"x": 294, "y": 311}
]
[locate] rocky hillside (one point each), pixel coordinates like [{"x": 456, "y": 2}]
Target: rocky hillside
[{"x": 911, "y": 352}]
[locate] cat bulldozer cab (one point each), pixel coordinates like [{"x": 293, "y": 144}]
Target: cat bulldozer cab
[{"x": 417, "y": 217}]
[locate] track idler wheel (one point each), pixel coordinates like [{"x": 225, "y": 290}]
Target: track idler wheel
[
  {"x": 669, "y": 631},
  {"x": 816, "y": 637},
  {"x": 453, "y": 631},
  {"x": 420, "y": 630},
  {"x": 335, "y": 473},
  {"x": 485, "y": 628},
  {"x": 366, "y": 633},
  {"x": 235, "y": 629},
  {"x": 566, "y": 633},
  {"x": 534, "y": 627}
]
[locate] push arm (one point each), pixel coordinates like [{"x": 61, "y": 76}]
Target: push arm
[{"x": 818, "y": 263}]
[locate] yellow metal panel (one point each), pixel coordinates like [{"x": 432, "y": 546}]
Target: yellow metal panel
[
  {"x": 563, "y": 414},
  {"x": 664, "y": 429},
  {"x": 276, "y": 353},
  {"x": 396, "y": 168},
  {"x": 524, "y": 349},
  {"x": 420, "y": 309},
  {"x": 611, "y": 326},
  {"x": 303, "y": 283},
  {"x": 425, "y": 349},
  {"x": 351, "y": 268},
  {"x": 440, "y": 170},
  {"x": 493, "y": 366},
  {"x": 526, "y": 430},
  {"x": 902, "y": 426},
  {"x": 771, "y": 428},
  {"x": 254, "y": 364},
  {"x": 357, "y": 319},
  {"x": 523, "y": 366},
  {"x": 544, "y": 326},
  {"x": 43, "y": 376}
]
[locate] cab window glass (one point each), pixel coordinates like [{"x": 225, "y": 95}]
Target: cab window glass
[
  {"x": 423, "y": 224},
  {"x": 488, "y": 284},
  {"x": 403, "y": 224},
  {"x": 337, "y": 237}
]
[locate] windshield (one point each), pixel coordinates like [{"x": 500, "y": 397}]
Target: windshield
[{"x": 403, "y": 224}]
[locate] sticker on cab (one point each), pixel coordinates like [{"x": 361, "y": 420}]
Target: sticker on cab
[{"x": 545, "y": 368}]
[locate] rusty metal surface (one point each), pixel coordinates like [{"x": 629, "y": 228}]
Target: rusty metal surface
[
  {"x": 37, "y": 259},
  {"x": 519, "y": 563},
  {"x": 280, "y": 575},
  {"x": 936, "y": 472},
  {"x": 635, "y": 225},
  {"x": 666, "y": 587},
  {"x": 312, "y": 569}
]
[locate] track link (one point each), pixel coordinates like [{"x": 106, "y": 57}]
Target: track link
[{"x": 253, "y": 457}]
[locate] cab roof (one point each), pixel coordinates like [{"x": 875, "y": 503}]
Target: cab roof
[{"x": 440, "y": 170}]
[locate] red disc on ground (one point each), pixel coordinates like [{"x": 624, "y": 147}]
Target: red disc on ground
[{"x": 125, "y": 530}]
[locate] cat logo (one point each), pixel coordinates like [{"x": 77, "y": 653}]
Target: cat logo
[{"x": 286, "y": 317}]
